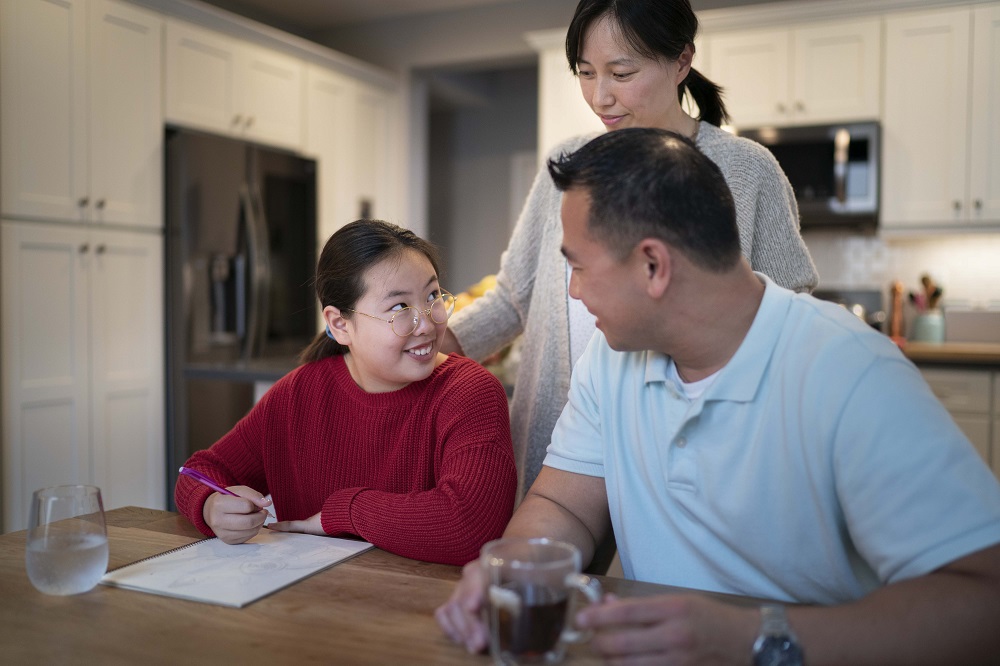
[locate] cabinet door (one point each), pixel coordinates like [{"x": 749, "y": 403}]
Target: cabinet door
[
  {"x": 373, "y": 163},
  {"x": 836, "y": 71},
  {"x": 126, "y": 351},
  {"x": 126, "y": 122},
  {"x": 43, "y": 305},
  {"x": 977, "y": 428},
  {"x": 925, "y": 118},
  {"x": 269, "y": 96},
  {"x": 328, "y": 138},
  {"x": 42, "y": 109},
  {"x": 200, "y": 78},
  {"x": 995, "y": 453},
  {"x": 563, "y": 113},
  {"x": 984, "y": 161},
  {"x": 752, "y": 68}
]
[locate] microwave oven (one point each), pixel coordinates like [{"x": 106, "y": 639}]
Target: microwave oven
[{"x": 833, "y": 169}]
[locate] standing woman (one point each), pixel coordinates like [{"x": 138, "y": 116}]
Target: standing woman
[{"x": 633, "y": 60}]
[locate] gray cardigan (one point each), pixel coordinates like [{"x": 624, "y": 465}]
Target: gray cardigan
[{"x": 532, "y": 280}]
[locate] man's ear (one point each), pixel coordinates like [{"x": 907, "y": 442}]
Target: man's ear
[
  {"x": 337, "y": 325},
  {"x": 656, "y": 263}
]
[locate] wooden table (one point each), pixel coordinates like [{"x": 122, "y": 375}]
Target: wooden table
[{"x": 376, "y": 608}]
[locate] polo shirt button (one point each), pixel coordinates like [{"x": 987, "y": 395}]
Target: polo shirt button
[{"x": 681, "y": 442}]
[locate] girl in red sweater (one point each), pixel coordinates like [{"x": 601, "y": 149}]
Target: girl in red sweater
[{"x": 377, "y": 434}]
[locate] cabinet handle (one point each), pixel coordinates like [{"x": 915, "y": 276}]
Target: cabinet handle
[
  {"x": 99, "y": 204},
  {"x": 781, "y": 107},
  {"x": 957, "y": 205},
  {"x": 84, "y": 248},
  {"x": 799, "y": 106},
  {"x": 249, "y": 122},
  {"x": 237, "y": 119},
  {"x": 100, "y": 249},
  {"x": 978, "y": 203},
  {"x": 82, "y": 202}
]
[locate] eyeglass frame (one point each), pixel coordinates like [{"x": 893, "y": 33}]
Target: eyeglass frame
[{"x": 416, "y": 320}]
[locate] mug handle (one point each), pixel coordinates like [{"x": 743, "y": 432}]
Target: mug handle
[{"x": 590, "y": 588}]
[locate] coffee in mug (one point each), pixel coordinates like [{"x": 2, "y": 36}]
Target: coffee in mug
[{"x": 530, "y": 593}]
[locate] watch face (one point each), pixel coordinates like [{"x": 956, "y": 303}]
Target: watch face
[{"x": 777, "y": 651}]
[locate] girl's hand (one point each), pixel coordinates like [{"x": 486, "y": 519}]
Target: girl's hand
[
  {"x": 236, "y": 519},
  {"x": 311, "y": 525}
]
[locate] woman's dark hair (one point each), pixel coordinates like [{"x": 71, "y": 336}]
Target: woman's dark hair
[
  {"x": 340, "y": 272},
  {"x": 653, "y": 29}
]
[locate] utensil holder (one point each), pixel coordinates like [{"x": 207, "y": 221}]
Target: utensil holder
[{"x": 928, "y": 327}]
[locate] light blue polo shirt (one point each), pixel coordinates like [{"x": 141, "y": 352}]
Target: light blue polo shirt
[{"x": 817, "y": 466}]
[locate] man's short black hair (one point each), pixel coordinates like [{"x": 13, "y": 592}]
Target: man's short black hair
[{"x": 651, "y": 183}]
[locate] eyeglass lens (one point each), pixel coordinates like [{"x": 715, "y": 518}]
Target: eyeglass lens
[{"x": 406, "y": 320}]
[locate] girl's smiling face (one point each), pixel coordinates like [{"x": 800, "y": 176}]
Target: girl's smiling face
[{"x": 379, "y": 360}]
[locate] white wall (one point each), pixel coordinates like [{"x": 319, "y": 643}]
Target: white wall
[
  {"x": 473, "y": 148},
  {"x": 966, "y": 266}
]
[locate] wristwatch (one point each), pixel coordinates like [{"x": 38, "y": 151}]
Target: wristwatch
[{"x": 776, "y": 644}]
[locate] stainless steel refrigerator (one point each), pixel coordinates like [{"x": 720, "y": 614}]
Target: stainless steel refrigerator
[{"x": 240, "y": 255}]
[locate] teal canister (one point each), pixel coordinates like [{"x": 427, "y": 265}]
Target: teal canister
[{"x": 928, "y": 327}]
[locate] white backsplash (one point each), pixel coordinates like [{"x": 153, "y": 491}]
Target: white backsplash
[{"x": 965, "y": 266}]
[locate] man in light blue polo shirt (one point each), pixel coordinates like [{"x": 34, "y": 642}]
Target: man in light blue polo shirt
[{"x": 742, "y": 438}]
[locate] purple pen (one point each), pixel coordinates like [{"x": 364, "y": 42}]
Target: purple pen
[{"x": 201, "y": 478}]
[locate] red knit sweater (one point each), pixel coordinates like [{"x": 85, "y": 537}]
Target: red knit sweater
[{"x": 426, "y": 472}]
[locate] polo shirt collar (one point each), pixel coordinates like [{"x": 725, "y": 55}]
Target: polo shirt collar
[{"x": 741, "y": 377}]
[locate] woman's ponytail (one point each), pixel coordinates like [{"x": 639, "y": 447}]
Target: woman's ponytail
[{"x": 707, "y": 95}]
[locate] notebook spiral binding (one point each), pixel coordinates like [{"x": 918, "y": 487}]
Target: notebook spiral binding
[{"x": 153, "y": 557}]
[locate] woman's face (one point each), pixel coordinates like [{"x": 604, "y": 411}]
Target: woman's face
[
  {"x": 626, "y": 89},
  {"x": 379, "y": 360}
]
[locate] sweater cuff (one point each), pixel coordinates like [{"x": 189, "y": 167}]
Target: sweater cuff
[
  {"x": 336, "y": 515},
  {"x": 197, "y": 498}
]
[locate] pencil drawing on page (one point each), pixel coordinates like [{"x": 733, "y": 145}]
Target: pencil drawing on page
[{"x": 235, "y": 575}]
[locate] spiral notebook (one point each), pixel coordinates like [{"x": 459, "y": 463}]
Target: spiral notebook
[{"x": 214, "y": 572}]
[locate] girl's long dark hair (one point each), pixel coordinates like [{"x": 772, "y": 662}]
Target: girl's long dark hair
[
  {"x": 654, "y": 29},
  {"x": 340, "y": 272}
]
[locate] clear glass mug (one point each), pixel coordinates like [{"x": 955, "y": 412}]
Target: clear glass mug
[
  {"x": 531, "y": 587},
  {"x": 67, "y": 546}
]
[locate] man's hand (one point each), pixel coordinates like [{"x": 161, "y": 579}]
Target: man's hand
[
  {"x": 311, "y": 525},
  {"x": 236, "y": 519},
  {"x": 460, "y": 616},
  {"x": 670, "y": 629}
]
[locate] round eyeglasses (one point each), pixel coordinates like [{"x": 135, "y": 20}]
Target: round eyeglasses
[{"x": 405, "y": 321}]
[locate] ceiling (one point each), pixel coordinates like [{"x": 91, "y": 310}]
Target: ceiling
[{"x": 303, "y": 16}]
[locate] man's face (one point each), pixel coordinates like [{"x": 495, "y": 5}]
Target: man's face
[{"x": 609, "y": 288}]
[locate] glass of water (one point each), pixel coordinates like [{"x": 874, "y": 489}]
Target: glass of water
[{"x": 67, "y": 548}]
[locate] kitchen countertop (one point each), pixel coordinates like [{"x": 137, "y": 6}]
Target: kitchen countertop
[{"x": 953, "y": 353}]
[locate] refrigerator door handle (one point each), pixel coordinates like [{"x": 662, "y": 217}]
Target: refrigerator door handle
[{"x": 257, "y": 249}]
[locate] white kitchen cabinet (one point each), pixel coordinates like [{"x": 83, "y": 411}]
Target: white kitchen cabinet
[
  {"x": 941, "y": 140},
  {"x": 221, "y": 84},
  {"x": 983, "y": 199},
  {"x": 967, "y": 395},
  {"x": 995, "y": 448},
  {"x": 807, "y": 74},
  {"x": 82, "y": 312},
  {"x": 374, "y": 165},
  {"x": 82, "y": 128},
  {"x": 349, "y": 129},
  {"x": 562, "y": 111},
  {"x": 329, "y": 139}
]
